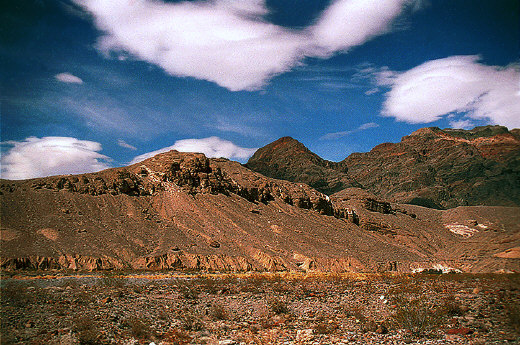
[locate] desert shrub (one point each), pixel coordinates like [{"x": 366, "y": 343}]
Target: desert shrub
[
  {"x": 452, "y": 307},
  {"x": 176, "y": 337},
  {"x": 278, "y": 306},
  {"x": 218, "y": 312},
  {"x": 418, "y": 317},
  {"x": 16, "y": 294},
  {"x": 188, "y": 290},
  {"x": 354, "y": 311},
  {"x": 190, "y": 321},
  {"x": 86, "y": 331},
  {"x": 325, "y": 326},
  {"x": 513, "y": 314},
  {"x": 139, "y": 327}
]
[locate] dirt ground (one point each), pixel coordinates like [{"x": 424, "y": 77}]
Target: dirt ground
[{"x": 109, "y": 308}]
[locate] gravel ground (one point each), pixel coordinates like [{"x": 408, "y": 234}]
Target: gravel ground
[{"x": 260, "y": 309}]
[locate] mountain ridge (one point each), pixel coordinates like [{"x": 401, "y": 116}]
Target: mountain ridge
[
  {"x": 430, "y": 167},
  {"x": 184, "y": 211}
]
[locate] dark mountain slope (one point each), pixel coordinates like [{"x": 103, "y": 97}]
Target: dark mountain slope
[
  {"x": 288, "y": 159},
  {"x": 444, "y": 168},
  {"x": 431, "y": 167}
]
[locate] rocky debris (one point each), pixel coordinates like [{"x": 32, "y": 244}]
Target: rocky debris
[{"x": 245, "y": 309}]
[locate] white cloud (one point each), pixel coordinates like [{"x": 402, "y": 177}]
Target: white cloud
[
  {"x": 212, "y": 147},
  {"x": 68, "y": 78},
  {"x": 348, "y": 23},
  {"x": 337, "y": 135},
  {"x": 228, "y": 42},
  {"x": 38, "y": 157},
  {"x": 462, "y": 124},
  {"x": 457, "y": 84},
  {"x": 124, "y": 144}
]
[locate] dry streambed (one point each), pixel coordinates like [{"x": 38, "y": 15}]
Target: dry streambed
[{"x": 260, "y": 309}]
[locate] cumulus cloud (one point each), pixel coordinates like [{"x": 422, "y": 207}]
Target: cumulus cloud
[
  {"x": 212, "y": 147},
  {"x": 228, "y": 42},
  {"x": 124, "y": 144},
  {"x": 337, "y": 135},
  {"x": 38, "y": 157},
  {"x": 456, "y": 84},
  {"x": 68, "y": 78}
]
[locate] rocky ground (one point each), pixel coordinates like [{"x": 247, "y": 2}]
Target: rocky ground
[{"x": 261, "y": 309}]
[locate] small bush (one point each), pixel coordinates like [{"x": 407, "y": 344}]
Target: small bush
[
  {"x": 417, "y": 317},
  {"x": 278, "y": 306},
  {"x": 218, "y": 312},
  {"x": 189, "y": 291},
  {"x": 139, "y": 327},
  {"x": 513, "y": 314},
  {"x": 452, "y": 307},
  {"x": 86, "y": 331},
  {"x": 190, "y": 321}
]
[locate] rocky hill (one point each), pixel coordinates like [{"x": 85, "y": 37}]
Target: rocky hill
[
  {"x": 431, "y": 167},
  {"x": 288, "y": 159},
  {"x": 184, "y": 211}
]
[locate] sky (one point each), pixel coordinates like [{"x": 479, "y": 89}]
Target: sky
[{"x": 92, "y": 84}]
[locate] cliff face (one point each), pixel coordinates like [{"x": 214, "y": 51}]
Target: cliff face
[
  {"x": 431, "y": 167},
  {"x": 184, "y": 211},
  {"x": 288, "y": 159}
]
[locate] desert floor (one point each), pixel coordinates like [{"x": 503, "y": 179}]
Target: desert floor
[{"x": 285, "y": 308}]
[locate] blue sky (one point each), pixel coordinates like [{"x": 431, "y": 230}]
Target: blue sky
[{"x": 90, "y": 84}]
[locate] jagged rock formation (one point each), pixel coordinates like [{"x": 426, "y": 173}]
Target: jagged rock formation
[
  {"x": 290, "y": 160},
  {"x": 183, "y": 211},
  {"x": 431, "y": 167}
]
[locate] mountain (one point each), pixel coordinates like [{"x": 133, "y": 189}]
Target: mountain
[
  {"x": 444, "y": 168},
  {"x": 430, "y": 167},
  {"x": 184, "y": 211},
  {"x": 288, "y": 159}
]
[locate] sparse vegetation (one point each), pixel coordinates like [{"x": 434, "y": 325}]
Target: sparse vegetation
[
  {"x": 418, "y": 316},
  {"x": 87, "y": 331},
  {"x": 278, "y": 306},
  {"x": 320, "y": 307}
]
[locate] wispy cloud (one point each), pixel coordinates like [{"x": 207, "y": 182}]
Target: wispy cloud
[
  {"x": 213, "y": 147},
  {"x": 38, "y": 157},
  {"x": 462, "y": 124},
  {"x": 68, "y": 78},
  {"x": 229, "y": 42},
  {"x": 456, "y": 84},
  {"x": 337, "y": 135},
  {"x": 124, "y": 144}
]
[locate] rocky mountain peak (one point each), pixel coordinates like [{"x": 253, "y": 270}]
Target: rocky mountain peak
[{"x": 288, "y": 159}]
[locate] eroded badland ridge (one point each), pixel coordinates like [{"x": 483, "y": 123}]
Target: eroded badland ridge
[{"x": 187, "y": 212}]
